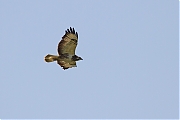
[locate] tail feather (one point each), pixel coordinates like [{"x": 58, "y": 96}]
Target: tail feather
[{"x": 50, "y": 58}]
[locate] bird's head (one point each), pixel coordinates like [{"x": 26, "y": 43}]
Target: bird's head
[
  {"x": 79, "y": 58},
  {"x": 76, "y": 58}
]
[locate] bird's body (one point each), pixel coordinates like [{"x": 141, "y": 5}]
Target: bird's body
[{"x": 66, "y": 49}]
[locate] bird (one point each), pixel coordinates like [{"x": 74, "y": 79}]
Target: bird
[{"x": 66, "y": 57}]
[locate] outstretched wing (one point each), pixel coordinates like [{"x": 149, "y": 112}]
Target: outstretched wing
[
  {"x": 66, "y": 65},
  {"x": 69, "y": 42}
]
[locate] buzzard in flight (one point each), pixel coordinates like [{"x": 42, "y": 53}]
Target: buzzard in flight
[{"x": 66, "y": 50}]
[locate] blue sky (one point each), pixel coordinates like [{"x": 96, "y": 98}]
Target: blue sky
[{"x": 130, "y": 66}]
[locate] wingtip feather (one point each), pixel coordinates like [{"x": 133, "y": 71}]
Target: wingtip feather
[{"x": 71, "y": 30}]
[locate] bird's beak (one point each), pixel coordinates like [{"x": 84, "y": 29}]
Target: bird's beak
[{"x": 80, "y": 58}]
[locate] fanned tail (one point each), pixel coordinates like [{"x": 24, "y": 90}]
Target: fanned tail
[{"x": 50, "y": 58}]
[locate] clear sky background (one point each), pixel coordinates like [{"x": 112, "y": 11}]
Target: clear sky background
[{"x": 130, "y": 52}]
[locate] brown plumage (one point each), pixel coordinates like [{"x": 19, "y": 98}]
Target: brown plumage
[{"x": 66, "y": 50}]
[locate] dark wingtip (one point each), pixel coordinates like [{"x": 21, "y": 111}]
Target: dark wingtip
[
  {"x": 77, "y": 34},
  {"x": 68, "y": 31},
  {"x": 71, "y": 30}
]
